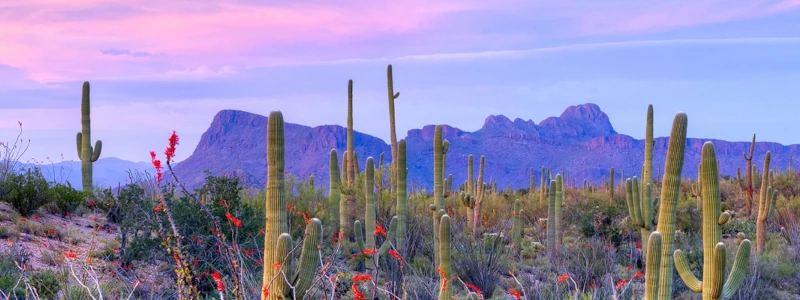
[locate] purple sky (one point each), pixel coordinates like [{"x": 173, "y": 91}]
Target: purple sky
[{"x": 731, "y": 65}]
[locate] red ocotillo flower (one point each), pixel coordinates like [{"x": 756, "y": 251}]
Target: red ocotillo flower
[
  {"x": 170, "y": 152},
  {"x": 218, "y": 280},
  {"x": 236, "y": 222},
  {"x": 515, "y": 293}
]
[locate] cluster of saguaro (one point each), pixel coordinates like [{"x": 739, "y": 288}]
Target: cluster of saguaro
[
  {"x": 712, "y": 286},
  {"x": 277, "y": 241},
  {"x": 86, "y": 153},
  {"x": 516, "y": 230},
  {"x": 659, "y": 284},
  {"x": 554, "y": 213}
]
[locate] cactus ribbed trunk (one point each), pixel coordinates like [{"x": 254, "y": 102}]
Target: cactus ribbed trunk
[
  {"x": 763, "y": 207},
  {"x": 402, "y": 198},
  {"x": 369, "y": 210},
  {"x": 516, "y": 231},
  {"x": 479, "y": 191},
  {"x": 712, "y": 286},
  {"x": 670, "y": 191},
  {"x": 276, "y": 220},
  {"x": 438, "y": 187},
  {"x": 334, "y": 193},
  {"x": 559, "y": 211},
  {"x": 86, "y": 153},
  {"x": 445, "y": 286},
  {"x": 392, "y": 130}
]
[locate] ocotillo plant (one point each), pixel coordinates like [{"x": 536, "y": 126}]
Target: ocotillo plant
[
  {"x": 334, "y": 194},
  {"x": 747, "y": 186},
  {"x": 670, "y": 191},
  {"x": 438, "y": 187},
  {"x": 445, "y": 269},
  {"x": 402, "y": 198},
  {"x": 277, "y": 241},
  {"x": 392, "y": 131},
  {"x": 87, "y": 154},
  {"x": 712, "y": 286},
  {"x": 516, "y": 230},
  {"x": 764, "y": 206}
]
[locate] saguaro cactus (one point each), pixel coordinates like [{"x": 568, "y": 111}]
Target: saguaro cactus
[
  {"x": 516, "y": 230},
  {"x": 531, "y": 184},
  {"x": 554, "y": 217},
  {"x": 670, "y": 190},
  {"x": 369, "y": 212},
  {"x": 640, "y": 209},
  {"x": 334, "y": 193},
  {"x": 392, "y": 131},
  {"x": 402, "y": 196},
  {"x": 87, "y": 154},
  {"x": 764, "y": 206},
  {"x": 747, "y": 186},
  {"x": 480, "y": 189},
  {"x": 438, "y": 187},
  {"x": 712, "y": 286},
  {"x": 611, "y": 186},
  {"x": 277, "y": 241},
  {"x": 445, "y": 290}
]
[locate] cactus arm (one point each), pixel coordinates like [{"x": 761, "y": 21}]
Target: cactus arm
[
  {"x": 774, "y": 202},
  {"x": 714, "y": 284},
  {"x": 724, "y": 218},
  {"x": 359, "y": 236},
  {"x": 629, "y": 198},
  {"x": 682, "y": 266},
  {"x": 79, "y": 140},
  {"x": 280, "y": 284},
  {"x": 653, "y": 261},
  {"x": 390, "y": 235},
  {"x": 738, "y": 270},
  {"x": 637, "y": 207},
  {"x": 309, "y": 258},
  {"x": 98, "y": 147}
]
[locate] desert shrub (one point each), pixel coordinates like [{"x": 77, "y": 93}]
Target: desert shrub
[
  {"x": 26, "y": 192},
  {"x": 47, "y": 284},
  {"x": 7, "y": 232},
  {"x": 9, "y": 278},
  {"x": 480, "y": 261},
  {"x": 66, "y": 198}
]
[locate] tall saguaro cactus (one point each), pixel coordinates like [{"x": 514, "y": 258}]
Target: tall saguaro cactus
[
  {"x": 747, "y": 186},
  {"x": 764, "y": 205},
  {"x": 480, "y": 189},
  {"x": 87, "y": 154},
  {"x": 402, "y": 196},
  {"x": 554, "y": 217},
  {"x": 334, "y": 193},
  {"x": 611, "y": 187},
  {"x": 516, "y": 230},
  {"x": 542, "y": 188},
  {"x": 277, "y": 241},
  {"x": 712, "y": 286},
  {"x": 438, "y": 187},
  {"x": 370, "y": 213},
  {"x": 445, "y": 290},
  {"x": 670, "y": 191},
  {"x": 392, "y": 131}
]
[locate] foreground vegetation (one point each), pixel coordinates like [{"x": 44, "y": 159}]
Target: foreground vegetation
[{"x": 368, "y": 235}]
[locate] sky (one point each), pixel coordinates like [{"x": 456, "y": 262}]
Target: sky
[{"x": 732, "y": 66}]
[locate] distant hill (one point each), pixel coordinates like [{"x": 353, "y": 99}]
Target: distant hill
[
  {"x": 581, "y": 141},
  {"x": 107, "y": 172}
]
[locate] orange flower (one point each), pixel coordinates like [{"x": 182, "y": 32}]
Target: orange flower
[
  {"x": 70, "y": 254},
  {"x": 170, "y": 152},
  {"x": 379, "y": 230},
  {"x": 637, "y": 275},
  {"x": 395, "y": 255},
  {"x": 362, "y": 277},
  {"x": 236, "y": 222},
  {"x": 475, "y": 289},
  {"x": 563, "y": 278},
  {"x": 370, "y": 251},
  {"x": 357, "y": 293},
  {"x": 218, "y": 280},
  {"x": 515, "y": 293},
  {"x": 621, "y": 283}
]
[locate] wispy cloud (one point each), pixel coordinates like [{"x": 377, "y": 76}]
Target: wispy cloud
[{"x": 115, "y": 52}]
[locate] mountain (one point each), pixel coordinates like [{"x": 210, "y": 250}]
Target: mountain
[
  {"x": 107, "y": 172},
  {"x": 581, "y": 141}
]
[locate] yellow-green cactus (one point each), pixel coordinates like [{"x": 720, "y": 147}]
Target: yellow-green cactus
[
  {"x": 277, "y": 241},
  {"x": 402, "y": 196},
  {"x": 438, "y": 186},
  {"x": 445, "y": 290},
  {"x": 712, "y": 286},
  {"x": 516, "y": 230},
  {"x": 86, "y": 153},
  {"x": 764, "y": 207}
]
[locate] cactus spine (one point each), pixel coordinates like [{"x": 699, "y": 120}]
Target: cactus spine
[
  {"x": 402, "y": 198},
  {"x": 670, "y": 191},
  {"x": 764, "y": 206},
  {"x": 445, "y": 291},
  {"x": 516, "y": 231},
  {"x": 712, "y": 286},
  {"x": 277, "y": 242},
  {"x": 87, "y": 154},
  {"x": 392, "y": 130}
]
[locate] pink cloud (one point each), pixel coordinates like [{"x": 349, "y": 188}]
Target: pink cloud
[{"x": 51, "y": 40}]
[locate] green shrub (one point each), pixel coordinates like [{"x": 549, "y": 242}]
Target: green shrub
[
  {"x": 47, "y": 284},
  {"x": 66, "y": 198},
  {"x": 26, "y": 192}
]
